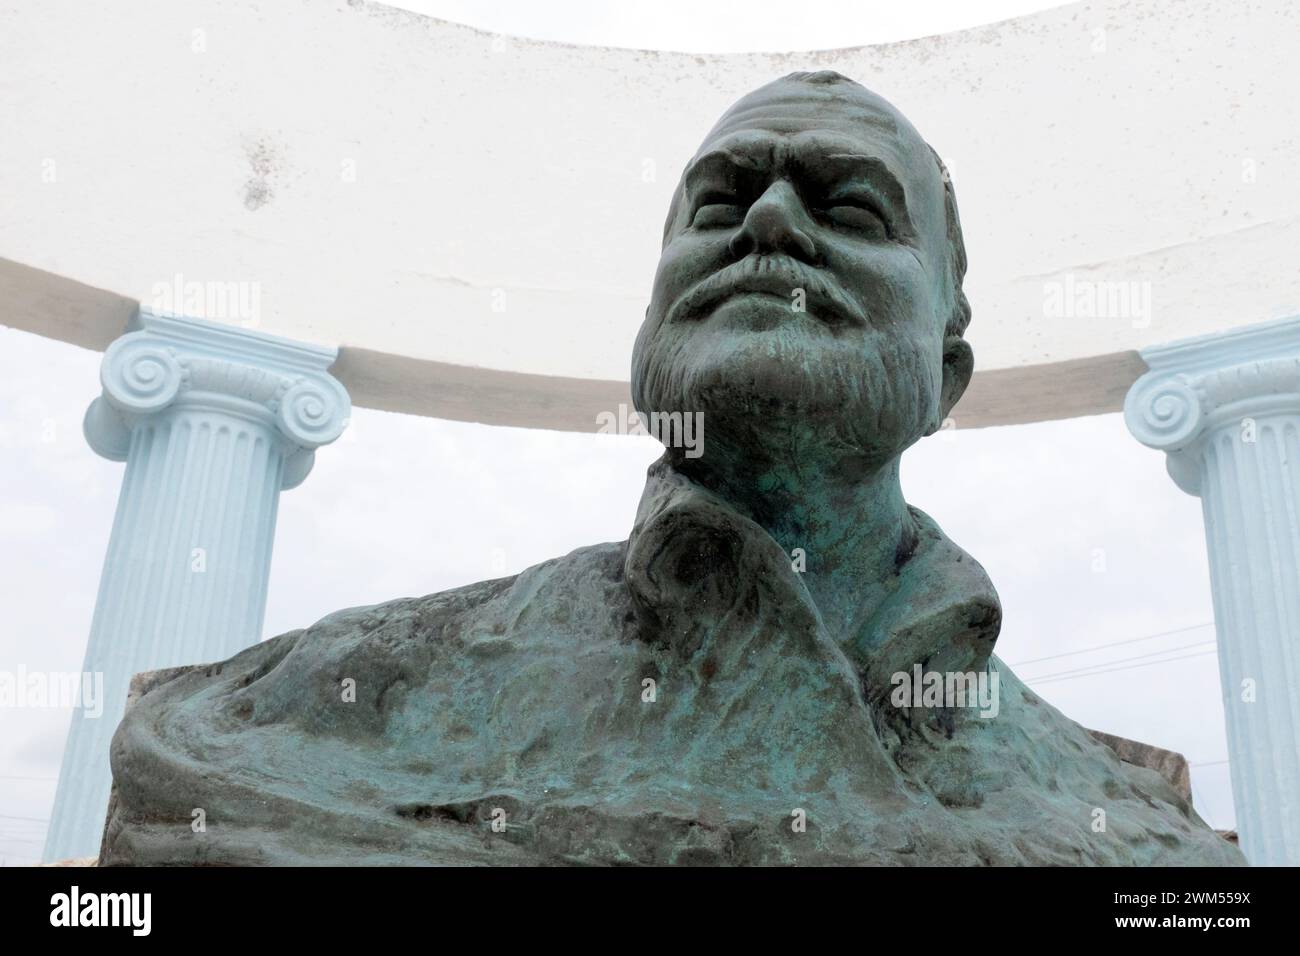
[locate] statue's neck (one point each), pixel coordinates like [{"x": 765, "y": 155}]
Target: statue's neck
[{"x": 851, "y": 526}]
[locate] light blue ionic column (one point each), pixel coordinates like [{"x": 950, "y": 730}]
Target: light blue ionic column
[
  {"x": 1226, "y": 410},
  {"x": 212, "y": 422}
]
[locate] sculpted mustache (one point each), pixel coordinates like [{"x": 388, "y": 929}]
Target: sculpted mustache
[{"x": 775, "y": 274}]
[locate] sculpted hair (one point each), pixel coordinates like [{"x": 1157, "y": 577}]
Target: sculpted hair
[{"x": 960, "y": 318}]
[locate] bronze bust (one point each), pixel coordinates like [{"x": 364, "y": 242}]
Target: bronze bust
[{"x": 724, "y": 686}]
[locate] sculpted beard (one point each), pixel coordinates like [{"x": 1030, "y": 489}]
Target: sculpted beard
[{"x": 872, "y": 394}]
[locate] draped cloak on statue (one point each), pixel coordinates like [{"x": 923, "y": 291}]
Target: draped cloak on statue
[{"x": 673, "y": 698}]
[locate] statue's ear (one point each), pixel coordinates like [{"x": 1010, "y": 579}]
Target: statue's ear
[{"x": 958, "y": 365}]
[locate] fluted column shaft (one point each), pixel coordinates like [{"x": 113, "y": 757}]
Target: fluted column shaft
[
  {"x": 1226, "y": 410},
  {"x": 212, "y": 421}
]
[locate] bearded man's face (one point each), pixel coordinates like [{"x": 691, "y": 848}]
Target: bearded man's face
[{"x": 804, "y": 281}]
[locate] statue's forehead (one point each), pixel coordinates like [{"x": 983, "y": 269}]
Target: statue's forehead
[
  {"x": 794, "y": 107},
  {"x": 802, "y": 122}
]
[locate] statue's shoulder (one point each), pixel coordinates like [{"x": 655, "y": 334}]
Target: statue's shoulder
[
  {"x": 577, "y": 575},
  {"x": 409, "y": 633},
  {"x": 1030, "y": 784}
]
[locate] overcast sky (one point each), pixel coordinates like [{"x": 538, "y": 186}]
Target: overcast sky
[{"x": 1086, "y": 538}]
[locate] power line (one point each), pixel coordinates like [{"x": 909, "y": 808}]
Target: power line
[
  {"x": 1098, "y": 647},
  {"x": 1124, "y": 667},
  {"x": 1122, "y": 660},
  {"x": 8, "y": 816}
]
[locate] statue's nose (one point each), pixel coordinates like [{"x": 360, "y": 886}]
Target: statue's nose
[{"x": 775, "y": 224}]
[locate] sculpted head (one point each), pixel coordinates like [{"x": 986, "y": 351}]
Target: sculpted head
[{"x": 808, "y": 294}]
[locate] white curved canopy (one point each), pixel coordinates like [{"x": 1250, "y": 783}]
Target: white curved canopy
[{"x": 476, "y": 219}]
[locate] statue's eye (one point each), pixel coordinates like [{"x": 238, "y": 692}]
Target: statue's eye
[
  {"x": 718, "y": 209},
  {"x": 857, "y": 216}
]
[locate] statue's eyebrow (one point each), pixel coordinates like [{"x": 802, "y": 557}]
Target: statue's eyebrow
[
  {"x": 871, "y": 171},
  {"x": 721, "y": 161}
]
